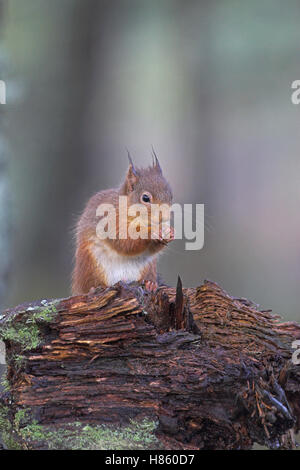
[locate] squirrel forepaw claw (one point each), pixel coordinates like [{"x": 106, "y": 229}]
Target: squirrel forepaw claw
[{"x": 150, "y": 285}]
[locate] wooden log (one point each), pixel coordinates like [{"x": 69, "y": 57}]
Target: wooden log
[{"x": 213, "y": 371}]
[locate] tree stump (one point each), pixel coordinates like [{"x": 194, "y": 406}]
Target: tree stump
[{"x": 195, "y": 367}]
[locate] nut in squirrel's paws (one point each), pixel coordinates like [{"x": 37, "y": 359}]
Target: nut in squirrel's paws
[
  {"x": 151, "y": 286},
  {"x": 165, "y": 234}
]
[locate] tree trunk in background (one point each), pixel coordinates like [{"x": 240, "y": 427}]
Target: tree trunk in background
[
  {"x": 5, "y": 207},
  {"x": 49, "y": 153}
]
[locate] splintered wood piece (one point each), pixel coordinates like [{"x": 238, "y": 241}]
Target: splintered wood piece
[{"x": 179, "y": 306}]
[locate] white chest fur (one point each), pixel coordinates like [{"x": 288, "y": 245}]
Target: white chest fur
[{"x": 119, "y": 267}]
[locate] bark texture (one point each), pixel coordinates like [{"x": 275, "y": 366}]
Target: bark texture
[{"x": 213, "y": 370}]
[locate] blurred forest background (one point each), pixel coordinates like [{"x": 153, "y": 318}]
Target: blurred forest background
[{"x": 208, "y": 83}]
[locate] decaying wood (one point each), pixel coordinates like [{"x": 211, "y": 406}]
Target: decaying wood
[{"x": 215, "y": 371}]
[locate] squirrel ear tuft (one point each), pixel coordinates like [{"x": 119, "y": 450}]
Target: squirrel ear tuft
[
  {"x": 132, "y": 175},
  {"x": 156, "y": 164},
  {"x": 130, "y": 159}
]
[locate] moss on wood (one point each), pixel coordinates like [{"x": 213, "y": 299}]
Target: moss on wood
[
  {"x": 213, "y": 370},
  {"x": 27, "y": 331},
  {"x": 26, "y": 433}
]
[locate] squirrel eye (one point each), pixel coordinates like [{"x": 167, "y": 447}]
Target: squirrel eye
[{"x": 146, "y": 197}]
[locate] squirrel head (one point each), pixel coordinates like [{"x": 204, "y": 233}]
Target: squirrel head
[{"x": 146, "y": 185}]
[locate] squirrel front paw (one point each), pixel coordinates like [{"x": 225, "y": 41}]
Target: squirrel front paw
[
  {"x": 165, "y": 234},
  {"x": 151, "y": 286}
]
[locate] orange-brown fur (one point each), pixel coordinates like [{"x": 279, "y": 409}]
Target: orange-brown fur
[{"x": 95, "y": 258}]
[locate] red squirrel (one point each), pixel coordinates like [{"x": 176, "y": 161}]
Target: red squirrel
[{"x": 104, "y": 262}]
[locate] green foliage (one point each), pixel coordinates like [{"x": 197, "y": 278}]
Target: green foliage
[
  {"x": 6, "y": 430},
  {"x": 18, "y": 360},
  {"x": 26, "y": 333},
  {"x": 5, "y": 383},
  {"x": 23, "y": 432},
  {"x": 46, "y": 314},
  {"x": 21, "y": 418},
  {"x": 136, "y": 435},
  {"x": 26, "y": 336},
  {"x": 3, "y": 416}
]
